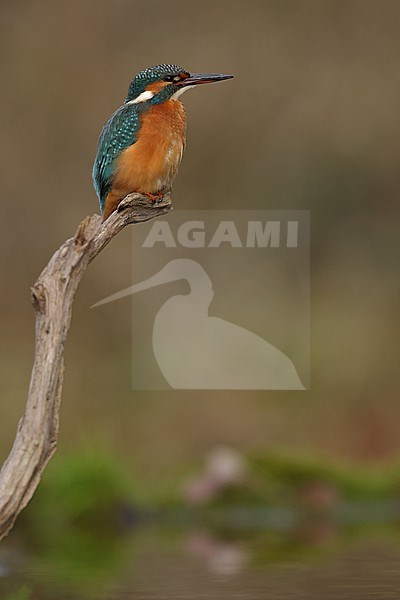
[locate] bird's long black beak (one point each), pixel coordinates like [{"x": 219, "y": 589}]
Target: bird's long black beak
[{"x": 196, "y": 78}]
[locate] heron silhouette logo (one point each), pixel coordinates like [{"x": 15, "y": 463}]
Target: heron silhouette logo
[
  {"x": 193, "y": 346},
  {"x": 231, "y": 356}
]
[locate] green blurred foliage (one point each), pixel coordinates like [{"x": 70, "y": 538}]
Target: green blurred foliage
[
  {"x": 351, "y": 481},
  {"x": 21, "y": 593},
  {"x": 307, "y": 481},
  {"x": 78, "y": 521},
  {"x": 88, "y": 528},
  {"x": 81, "y": 489}
]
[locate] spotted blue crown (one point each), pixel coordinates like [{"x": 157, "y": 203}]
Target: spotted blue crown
[{"x": 150, "y": 75}]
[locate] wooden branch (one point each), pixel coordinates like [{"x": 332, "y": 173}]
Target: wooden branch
[{"x": 52, "y": 298}]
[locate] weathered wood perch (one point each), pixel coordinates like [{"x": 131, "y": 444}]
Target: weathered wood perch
[{"x": 52, "y": 298}]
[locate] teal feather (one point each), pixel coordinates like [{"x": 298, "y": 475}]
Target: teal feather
[{"x": 120, "y": 132}]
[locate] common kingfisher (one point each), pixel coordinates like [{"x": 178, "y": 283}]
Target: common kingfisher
[{"x": 141, "y": 145}]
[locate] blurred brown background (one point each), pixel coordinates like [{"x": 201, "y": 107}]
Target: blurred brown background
[{"x": 309, "y": 122}]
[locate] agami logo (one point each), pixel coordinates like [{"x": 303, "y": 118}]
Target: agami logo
[
  {"x": 228, "y": 329},
  {"x": 192, "y": 234}
]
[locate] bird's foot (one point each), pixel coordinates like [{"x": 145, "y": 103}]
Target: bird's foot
[
  {"x": 127, "y": 201},
  {"x": 155, "y": 198},
  {"x": 143, "y": 199}
]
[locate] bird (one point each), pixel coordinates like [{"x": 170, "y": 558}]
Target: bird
[{"x": 141, "y": 145}]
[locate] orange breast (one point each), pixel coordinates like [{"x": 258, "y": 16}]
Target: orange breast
[{"x": 150, "y": 164}]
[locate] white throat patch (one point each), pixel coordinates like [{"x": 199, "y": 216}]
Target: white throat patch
[
  {"x": 146, "y": 95},
  {"x": 181, "y": 91}
]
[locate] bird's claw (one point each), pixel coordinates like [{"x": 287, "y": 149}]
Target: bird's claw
[{"x": 156, "y": 198}]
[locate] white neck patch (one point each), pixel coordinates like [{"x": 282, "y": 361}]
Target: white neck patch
[
  {"x": 146, "y": 95},
  {"x": 181, "y": 91}
]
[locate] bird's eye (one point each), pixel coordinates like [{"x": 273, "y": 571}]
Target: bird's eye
[{"x": 172, "y": 78}]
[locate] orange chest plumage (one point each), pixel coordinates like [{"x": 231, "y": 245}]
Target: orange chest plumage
[{"x": 151, "y": 163}]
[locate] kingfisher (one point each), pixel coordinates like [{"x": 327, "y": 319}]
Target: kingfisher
[{"x": 141, "y": 145}]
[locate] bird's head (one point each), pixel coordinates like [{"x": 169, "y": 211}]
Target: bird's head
[{"x": 163, "y": 82}]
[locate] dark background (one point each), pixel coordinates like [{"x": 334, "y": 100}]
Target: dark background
[{"x": 309, "y": 122}]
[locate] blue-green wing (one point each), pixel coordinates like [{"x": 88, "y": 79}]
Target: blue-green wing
[{"x": 120, "y": 131}]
